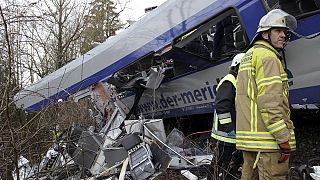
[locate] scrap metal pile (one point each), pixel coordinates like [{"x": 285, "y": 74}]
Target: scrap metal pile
[
  {"x": 139, "y": 151},
  {"x": 119, "y": 148}
]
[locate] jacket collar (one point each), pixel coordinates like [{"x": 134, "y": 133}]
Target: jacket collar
[{"x": 268, "y": 46}]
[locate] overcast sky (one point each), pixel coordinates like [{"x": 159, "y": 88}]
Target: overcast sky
[{"x": 136, "y": 8}]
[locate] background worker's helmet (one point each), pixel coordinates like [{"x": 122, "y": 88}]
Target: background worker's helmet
[
  {"x": 237, "y": 59},
  {"x": 277, "y": 18}
]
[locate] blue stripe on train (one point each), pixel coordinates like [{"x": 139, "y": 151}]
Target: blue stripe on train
[{"x": 312, "y": 95}]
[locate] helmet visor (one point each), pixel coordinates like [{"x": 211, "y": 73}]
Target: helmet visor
[
  {"x": 291, "y": 22},
  {"x": 277, "y": 18}
]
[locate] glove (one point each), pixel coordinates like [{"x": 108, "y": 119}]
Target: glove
[{"x": 285, "y": 152}]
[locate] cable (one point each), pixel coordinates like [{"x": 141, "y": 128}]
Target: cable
[{"x": 183, "y": 142}]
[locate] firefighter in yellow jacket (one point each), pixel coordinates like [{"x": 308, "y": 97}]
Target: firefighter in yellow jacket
[{"x": 264, "y": 129}]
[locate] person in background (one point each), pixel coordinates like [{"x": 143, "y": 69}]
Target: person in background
[
  {"x": 223, "y": 131},
  {"x": 265, "y": 132}
]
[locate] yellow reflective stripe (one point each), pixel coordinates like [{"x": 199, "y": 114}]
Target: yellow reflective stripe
[
  {"x": 240, "y": 135},
  {"x": 225, "y": 121},
  {"x": 246, "y": 68},
  {"x": 253, "y": 107},
  {"x": 258, "y": 137},
  {"x": 228, "y": 77},
  {"x": 260, "y": 140},
  {"x": 276, "y": 126},
  {"x": 252, "y": 146},
  {"x": 259, "y": 133},
  {"x": 293, "y": 144},
  {"x": 224, "y": 139},
  {"x": 257, "y": 144},
  {"x": 268, "y": 81},
  {"x": 215, "y": 127},
  {"x": 254, "y": 110},
  {"x": 232, "y": 79},
  {"x": 246, "y": 63},
  {"x": 264, "y": 144},
  {"x": 254, "y": 137},
  {"x": 256, "y": 118},
  {"x": 284, "y": 76},
  {"x": 224, "y": 115},
  {"x": 248, "y": 132}
]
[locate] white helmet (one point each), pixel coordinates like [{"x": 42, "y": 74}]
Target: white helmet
[
  {"x": 277, "y": 18},
  {"x": 237, "y": 59}
]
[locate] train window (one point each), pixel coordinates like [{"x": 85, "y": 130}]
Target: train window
[
  {"x": 297, "y": 8},
  {"x": 142, "y": 68},
  {"x": 216, "y": 39},
  {"x": 143, "y": 64}
]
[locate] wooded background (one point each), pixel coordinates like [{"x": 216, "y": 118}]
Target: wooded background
[{"x": 35, "y": 40}]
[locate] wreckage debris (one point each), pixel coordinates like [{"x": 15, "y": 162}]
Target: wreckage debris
[{"x": 123, "y": 148}]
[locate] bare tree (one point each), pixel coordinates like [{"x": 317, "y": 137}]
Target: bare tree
[
  {"x": 54, "y": 39},
  {"x": 35, "y": 40},
  {"x": 22, "y": 134}
]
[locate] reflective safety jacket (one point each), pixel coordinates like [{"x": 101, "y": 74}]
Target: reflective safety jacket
[
  {"x": 224, "y": 116},
  {"x": 263, "y": 114}
]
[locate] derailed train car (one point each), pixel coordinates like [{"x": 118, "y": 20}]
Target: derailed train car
[
  {"x": 168, "y": 63},
  {"x": 182, "y": 34}
]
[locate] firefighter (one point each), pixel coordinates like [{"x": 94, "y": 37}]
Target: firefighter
[
  {"x": 264, "y": 129},
  {"x": 223, "y": 131}
]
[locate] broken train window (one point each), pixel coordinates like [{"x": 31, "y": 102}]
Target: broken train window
[
  {"x": 297, "y": 8},
  {"x": 217, "y": 39}
]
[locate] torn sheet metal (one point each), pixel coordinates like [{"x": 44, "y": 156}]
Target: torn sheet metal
[
  {"x": 178, "y": 162},
  {"x": 155, "y": 125},
  {"x": 89, "y": 145},
  {"x": 155, "y": 77},
  {"x": 189, "y": 175},
  {"x": 161, "y": 158}
]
